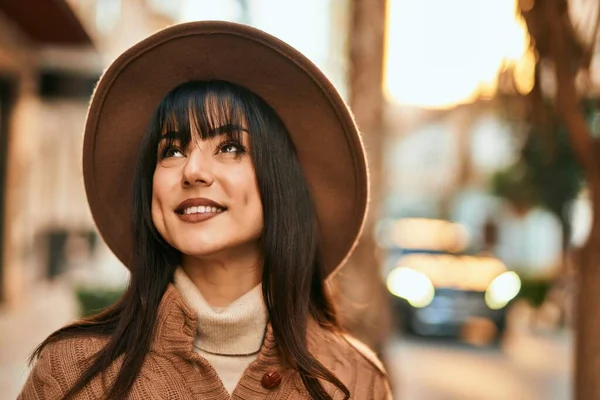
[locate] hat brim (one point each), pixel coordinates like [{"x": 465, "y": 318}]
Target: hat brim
[{"x": 320, "y": 125}]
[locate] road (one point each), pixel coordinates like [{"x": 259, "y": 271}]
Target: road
[
  {"x": 48, "y": 307},
  {"x": 525, "y": 367}
]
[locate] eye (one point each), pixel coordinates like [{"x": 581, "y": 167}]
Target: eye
[
  {"x": 232, "y": 148},
  {"x": 172, "y": 151}
]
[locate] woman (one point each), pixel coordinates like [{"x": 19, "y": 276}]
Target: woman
[{"x": 248, "y": 189}]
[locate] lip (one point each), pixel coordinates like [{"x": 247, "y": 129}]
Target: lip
[
  {"x": 199, "y": 217},
  {"x": 195, "y": 202}
]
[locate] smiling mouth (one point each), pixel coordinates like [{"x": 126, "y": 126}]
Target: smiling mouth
[
  {"x": 199, "y": 206},
  {"x": 201, "y": 210},
  {"x": 197, "y": 214}
]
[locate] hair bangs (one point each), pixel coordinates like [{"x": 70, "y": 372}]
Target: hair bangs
[{"x": 202, "y": 110}]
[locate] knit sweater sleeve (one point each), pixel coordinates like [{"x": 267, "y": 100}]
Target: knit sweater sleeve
[
  {"x": 41, "y": 383},
  {"x": 59, "y": 366}
]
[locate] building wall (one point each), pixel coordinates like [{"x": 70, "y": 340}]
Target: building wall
[{"x": 17, "y": 66}]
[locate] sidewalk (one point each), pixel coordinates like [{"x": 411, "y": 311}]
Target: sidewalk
[
  {"x": 529, "y": 366},
  {"x": 48, "y": 306}
]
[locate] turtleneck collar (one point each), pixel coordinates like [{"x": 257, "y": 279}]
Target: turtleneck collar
[{"x": 237, "y": 329}]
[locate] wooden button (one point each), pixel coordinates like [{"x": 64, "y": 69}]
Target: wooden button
[{"x": 271, "y": 380}]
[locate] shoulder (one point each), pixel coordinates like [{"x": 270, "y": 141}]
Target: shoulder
[
  {"x": 365, "y": 352},
  {"x": 351, "y": 360},
  {"x": 59, "y": 365},
  {"x": 343, "y": 347},
  {"x": 73, "y": 351}
]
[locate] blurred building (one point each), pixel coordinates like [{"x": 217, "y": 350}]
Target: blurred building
[
  {"x": 440, "y": 164},
  {"x": 447, "y": 134},
  {"x": 28, "y": 29}
]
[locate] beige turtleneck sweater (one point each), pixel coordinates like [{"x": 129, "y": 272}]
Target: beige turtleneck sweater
[{"x": 230, "y": 337}]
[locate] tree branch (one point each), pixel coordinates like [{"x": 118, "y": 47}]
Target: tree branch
[
  {"x": 591, "y": 46},
  {"x": 567, "y": 99}
]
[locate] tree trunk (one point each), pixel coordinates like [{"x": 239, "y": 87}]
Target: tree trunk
[
  {"x": 360, "y": 293},
  {"x": 559, "y": 290},
  {"x": 587, "y": 319},
  {"x": 549, "y": 24},
  {"x": 587, "y": 365}
]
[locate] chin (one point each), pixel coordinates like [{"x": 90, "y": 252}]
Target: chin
[{"x": 199, "y": 249}]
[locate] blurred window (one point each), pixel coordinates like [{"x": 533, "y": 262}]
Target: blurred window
[{"x": 108, "y": 13}]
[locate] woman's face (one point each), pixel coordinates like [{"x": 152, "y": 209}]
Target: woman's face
[{"x": 205, "y": 198}]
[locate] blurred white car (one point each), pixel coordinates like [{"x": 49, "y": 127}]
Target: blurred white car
[
  {"x": 436, "y": 290},
  {"x": 439, "y": 294}
]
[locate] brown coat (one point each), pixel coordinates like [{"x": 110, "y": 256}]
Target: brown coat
[{"x": 172, "y": 370}]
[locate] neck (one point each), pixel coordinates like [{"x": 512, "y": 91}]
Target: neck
[
  {"x": 235, "y": 329},
  {"x": 223, "y": 280}
]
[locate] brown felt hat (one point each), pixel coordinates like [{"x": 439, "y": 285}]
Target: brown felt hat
[{"x": 319, "y": 122}]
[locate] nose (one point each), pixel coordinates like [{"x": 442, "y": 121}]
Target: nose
[{"x": 197, "y": 170}]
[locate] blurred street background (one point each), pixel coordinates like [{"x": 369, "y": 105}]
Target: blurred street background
[{"x": 477, "y": 274}]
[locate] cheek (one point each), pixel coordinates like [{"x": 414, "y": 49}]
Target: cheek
[
  {"x": 251, "y": 194},
  {"x": 156, "y": 212},
  {"x": 254, "y": 202},
  {"x": 246, "y": 187},
  {"x": 163, "y": 181},
  {"x": 158, "y": 192}
]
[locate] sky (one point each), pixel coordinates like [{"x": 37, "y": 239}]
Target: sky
[{"x": 441, "y": 53}]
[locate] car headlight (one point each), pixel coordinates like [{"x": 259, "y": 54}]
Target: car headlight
[
  {"x": 411, "y": 285},
  {"x": 502, "y": 289}
]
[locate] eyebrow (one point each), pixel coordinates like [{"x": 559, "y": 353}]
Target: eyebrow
[{"x": 220, "y": 130}]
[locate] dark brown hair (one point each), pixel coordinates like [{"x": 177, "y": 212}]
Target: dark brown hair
[{"x": 293, "y": 281}]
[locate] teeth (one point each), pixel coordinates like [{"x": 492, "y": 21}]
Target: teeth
[{"x": 202, "y": 209}]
